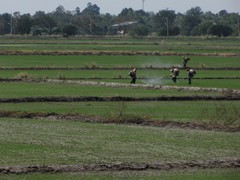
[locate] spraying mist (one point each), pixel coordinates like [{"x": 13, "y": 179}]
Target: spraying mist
[{"x": 157, "y": 78}]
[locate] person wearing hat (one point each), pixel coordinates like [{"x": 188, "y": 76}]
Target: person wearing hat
[
  {"x": 185, "y": 61},
  {"x": 133, "y": 75},
  {"x": 190, "y": 73},
  {"x": 174, "y": 74}
]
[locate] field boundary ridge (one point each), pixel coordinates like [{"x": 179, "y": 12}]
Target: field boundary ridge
[{"x": 234, "y": 163}]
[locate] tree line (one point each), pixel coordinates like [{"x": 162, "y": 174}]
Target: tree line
[{"x": 89, "y": 21}]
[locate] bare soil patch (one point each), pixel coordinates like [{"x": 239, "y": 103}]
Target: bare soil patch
[{"x": 235, "y": 163}]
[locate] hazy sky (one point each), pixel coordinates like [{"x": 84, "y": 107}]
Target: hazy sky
[{"x": 116, "y": 6}]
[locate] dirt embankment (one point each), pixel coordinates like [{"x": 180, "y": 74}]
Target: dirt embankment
[
  {"x": 226, "y": 91},
  {"x": 121, "y": 167},
  {"x": 124, "y": 53},
  {"x": 93, "y": 67},
  {"x": 117, "y": 98}
]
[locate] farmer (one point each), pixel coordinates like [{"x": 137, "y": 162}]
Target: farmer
[
  {"x": 190, "y": 73},
  {"x": 133, "y": 75},
  {"x": 174, "y": 74},
  {"x": 185, "y": 61}
]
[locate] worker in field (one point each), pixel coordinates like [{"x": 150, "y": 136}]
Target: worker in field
[
  {"x": 174, "y": 73},
  {"x": 133, "y": 75},
  {"x": 190, "y": 73},
  {"x": 185, "y": 61}
]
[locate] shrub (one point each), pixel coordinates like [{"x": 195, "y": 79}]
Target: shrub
[
  {"x": 23, "y": 75},
  {"x": 226, "y": 115},
  {"x": 122, "y": 117}
]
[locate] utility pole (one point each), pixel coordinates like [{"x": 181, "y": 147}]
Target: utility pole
[
  {"x": 11, "y": 24},
  {"x": 238, "y": 26},
  {"x": 143, "y": 1},
  {"x": 167, "y": 27}
]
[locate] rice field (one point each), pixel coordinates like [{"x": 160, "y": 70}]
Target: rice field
[{"x": 80, "y": 110}]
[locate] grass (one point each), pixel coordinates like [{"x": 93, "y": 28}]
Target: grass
[
  {"x": 55, "y": 142},
  {"x": 196, "y": 45},
  {"x": 25, "y": 89},
  {"x": 64, "y": 142},
  {"x": 150, "y": 73},
  {"x": 114, "y": 61},
  {"x": 219, "y": 83},
  {"x": 224, "y": 112},
  {"x": 118, "y": 76}
]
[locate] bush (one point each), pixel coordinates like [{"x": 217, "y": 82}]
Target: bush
[
  {"x": 220, "y": 30},
  {"x": 69, "y": 30},
  {"x": 226, "y": 115},
  {"x": 123, "y": 117},
  {"x": 24, "y": 75},
  {"x": 139, "y": 31}
]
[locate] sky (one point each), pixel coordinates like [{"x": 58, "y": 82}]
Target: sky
[{"x": 114, "y": 7}]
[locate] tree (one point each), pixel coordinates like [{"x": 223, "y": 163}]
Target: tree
[
  {"x": 90, "y": 21},
  {"x": 59, "y": 11},
  {"x": 69, "y": 30},
  {"x": 1, "y": 26},
  {"x": 77, "y": 10},
  {"x": 127, "y": 14},
  {"x": 45, "y": 23},
  {"x": 191, "y": 20},
  {"x": 24, "y": 24},
  {"x": 5, "y": 21},
  {"x": 209, "y": 16},
  {"x": 91, "y": 10},
  {"x": 220, "y": 30},
  {"x": 140, "y": 31},
  {"x": 62, "y": 17},
  {"x": 203, "y": 27},
  {"x": 164, "y": 23},
  {"x": 222, "y": 13},
  {"x": 16, "y": 17}
]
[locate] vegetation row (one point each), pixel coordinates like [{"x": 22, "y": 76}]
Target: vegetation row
[{"x": 90, "y": 21}]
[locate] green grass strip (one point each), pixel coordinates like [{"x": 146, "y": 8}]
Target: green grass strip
[
  {"x": 114, "y": 61},
  {"x": 221, "y": 112},
  {"x": 36, "y": 89},
  {"x": 30, "y": 142}
]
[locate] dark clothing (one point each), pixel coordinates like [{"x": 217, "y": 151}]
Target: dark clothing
[
  {"x": 185, "y": 61},
  {"x": 133, "y": 81},
  {"x": 133, "y": 75},
  {"x": 189, "y": 80},
  {"x": 174, "y": 79},
  {"x": 191, "y": 73}
]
